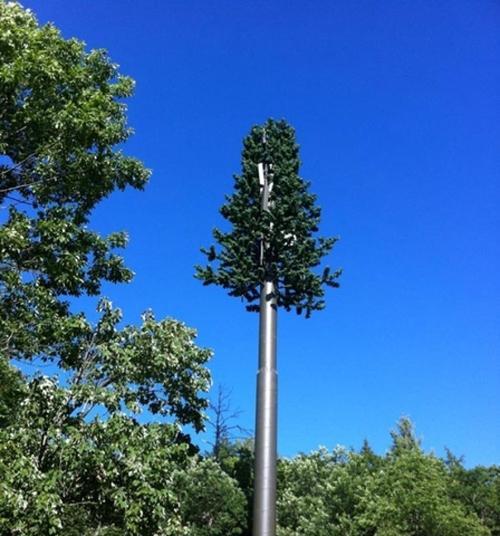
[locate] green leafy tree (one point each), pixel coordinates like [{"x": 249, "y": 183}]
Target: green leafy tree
[
  {"x": 319, "y": 493},
  {"x": 404, "y": 493},
  {"x": 61, "y": 118},
  {"x": 237, "y": 459},
  {"x": 211, "y": 503},
  {"x": 12, "y": 391},
  {"x": 63, "y": 476},
  {"x": 74, "y": 458},
  {"x": 288, "y": 229},
  {"x": 410, "y": 495},
  {"x": 478, "y": 489}
]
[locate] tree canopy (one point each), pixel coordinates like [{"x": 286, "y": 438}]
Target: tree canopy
[
  {"x": 404, "y": 492},
  {"x": 74, "y": 457},
  {"x": 61, "y": 117},
  {"x": 342, "y": 492}
]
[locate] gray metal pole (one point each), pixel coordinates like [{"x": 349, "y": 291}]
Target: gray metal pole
[{"x": 264, "y": 510}]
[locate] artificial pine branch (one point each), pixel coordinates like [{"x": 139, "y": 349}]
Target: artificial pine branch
[{"x": 288, "y": 228}]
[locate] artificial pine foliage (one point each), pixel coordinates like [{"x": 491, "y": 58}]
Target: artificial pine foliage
[{"x": 288, "y": 229}]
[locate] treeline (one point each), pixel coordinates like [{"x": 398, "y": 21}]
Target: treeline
[
  {"x": 111, "y": 476},
  {"x": 360, "y": 493},
  {"x": 76, "y": 458}
]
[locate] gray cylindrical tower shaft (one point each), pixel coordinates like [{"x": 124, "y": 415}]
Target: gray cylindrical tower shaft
[{"x": 264, "y": 512}]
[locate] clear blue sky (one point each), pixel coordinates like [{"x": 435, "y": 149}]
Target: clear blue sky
[{"x": 397, "y": 109}]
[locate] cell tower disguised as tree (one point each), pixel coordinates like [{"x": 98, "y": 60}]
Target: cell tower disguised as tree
[{"x": 270, "y": 255}]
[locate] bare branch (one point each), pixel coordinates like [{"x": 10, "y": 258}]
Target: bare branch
[
  {"x": 222, "y": 421},
  {"x": 19, "y": 186}
]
